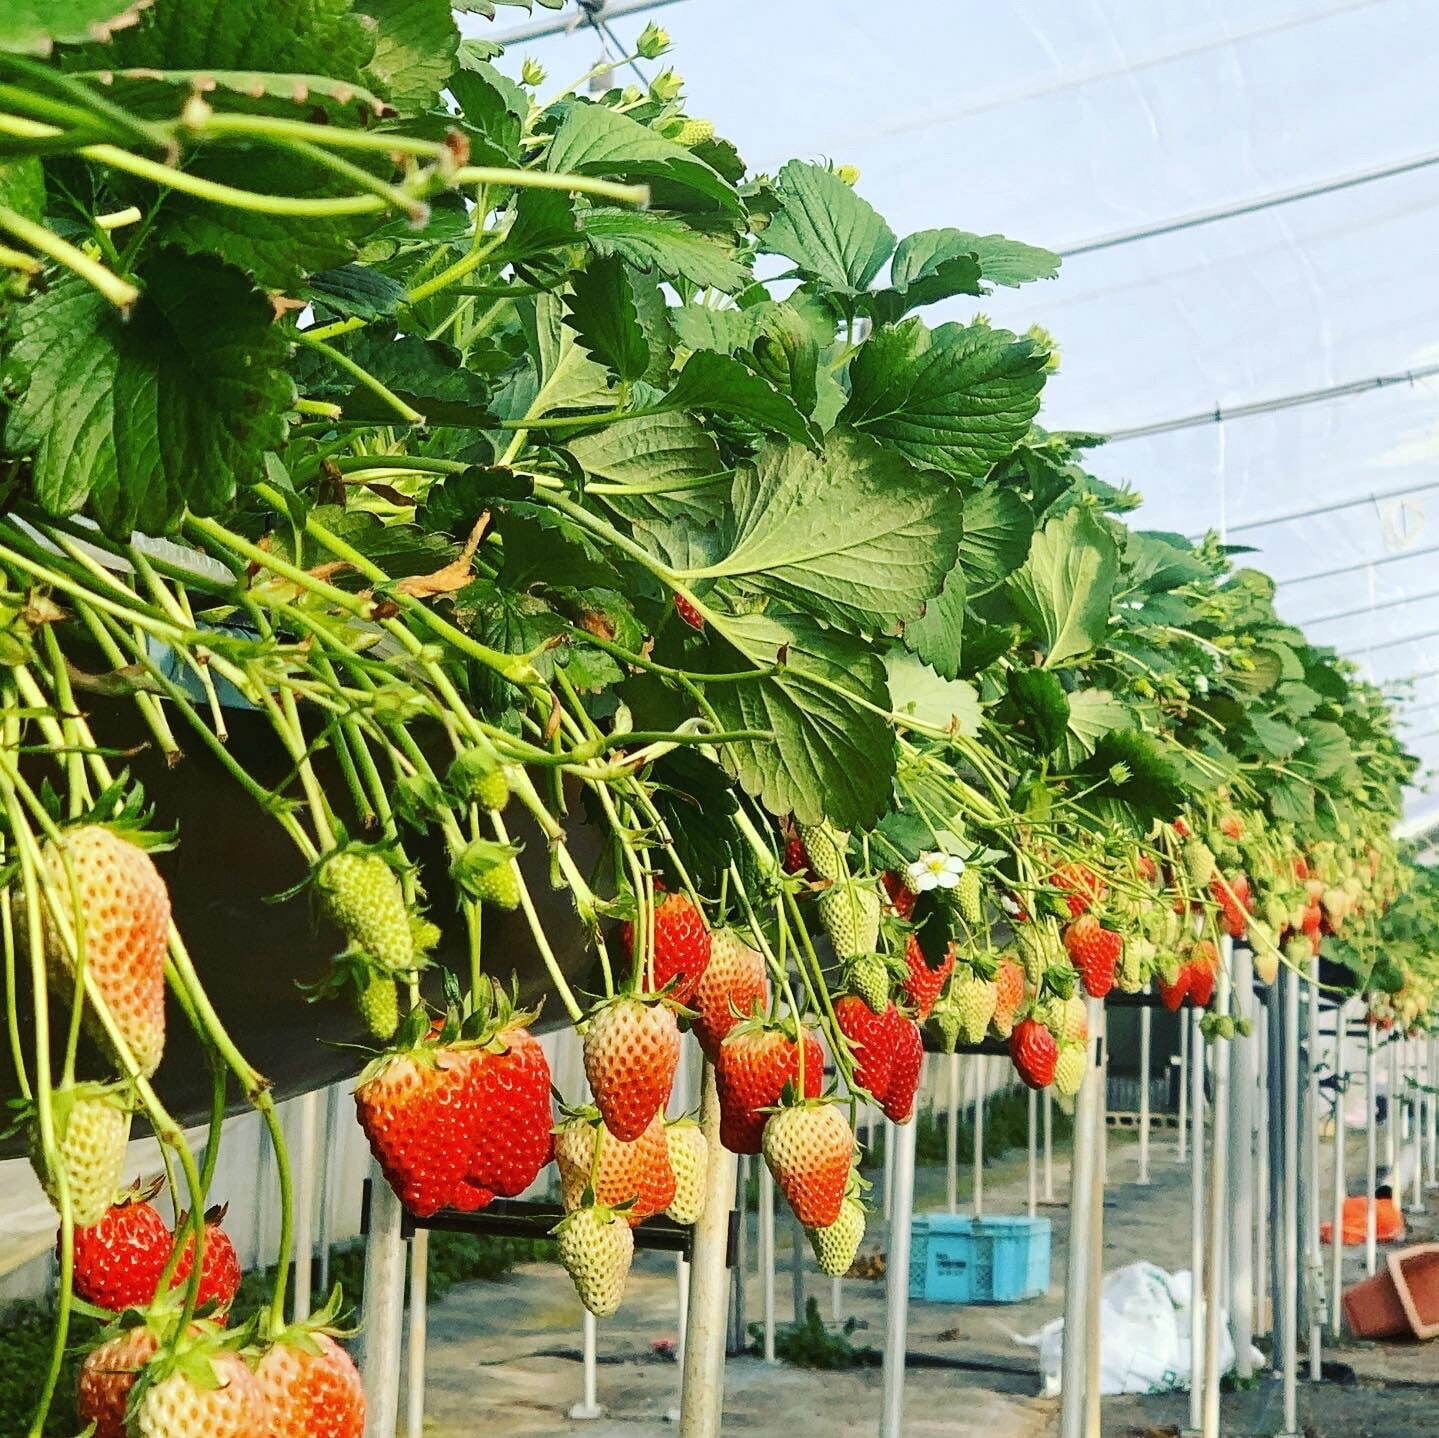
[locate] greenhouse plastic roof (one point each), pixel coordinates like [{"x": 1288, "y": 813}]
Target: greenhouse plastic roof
[{"x": 1064, "y": 124}]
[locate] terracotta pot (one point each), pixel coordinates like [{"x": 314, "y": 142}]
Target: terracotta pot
[
  {"x": 1415, "y": 1275},
  {"x": 251, "y": 954},
  {"x": 1372, "y": 1308}
]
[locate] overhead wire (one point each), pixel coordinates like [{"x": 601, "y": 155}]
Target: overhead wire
[{"x": 1358, "y": 568}]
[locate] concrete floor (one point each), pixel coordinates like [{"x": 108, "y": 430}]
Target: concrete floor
[{"x": 504, "y": 1358}]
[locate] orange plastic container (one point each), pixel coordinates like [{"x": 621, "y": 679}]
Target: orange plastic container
[{"x": 1401, "y": 1299}]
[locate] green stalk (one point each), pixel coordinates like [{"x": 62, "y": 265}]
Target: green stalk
[{"x": 121, "y": 293}]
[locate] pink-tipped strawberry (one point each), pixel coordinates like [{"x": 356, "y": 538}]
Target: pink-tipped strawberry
[
  {"x": 923, "y": 985},
  {"x": 809, "y": 1148},
  {"x": 1034, "y": 1053},
  {"x": 908, "y": 1048},
  {"x": 1081, "y": 886},
  {"x": 682, "y": 946},
  {"x": 117, "y": 919},
  {"x": 1095, "y": 952},
  {"x": 309, "y": 1385},
  {"x": 631, "y": 1049},
  {"x": 734, "y": 986},
  {"x": 755, "y": 1062},
  {"x": 1008, "y": 996},
  {"x": 638, "y": 1174},
  {"x": 108, "y": 1374}
]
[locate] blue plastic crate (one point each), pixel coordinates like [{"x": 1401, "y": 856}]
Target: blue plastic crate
[{"x": 954, "y": 1258}]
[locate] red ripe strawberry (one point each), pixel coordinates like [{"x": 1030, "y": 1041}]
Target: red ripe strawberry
[
  {"x": 1301, "y": 867},
  {"x": 1082, "y": 887},
  {"x": 106, "y": 1377},
  {"x": 631, "y": 1049},
  {"x": 513, "y": 1142},
  {"x": 1095, "y": 952},
  {"x": 681, "y": 946},
  {"x": 1231, "y": 825},
  {"x": 908, "y": 1047},
  {"x": 122, "y": 915},
  {"x": 755, "y": 1062},
  {"x": 687, "y": 611},
  {"x": 1034, "y": 1052},
  {"x": 1203, "y": 968},
  {"x": 796, "y": 855},
  {"x": 923, "y": 985},
  {"x": 118, "y": 1261},
  {"x": 1233, "y": 897},
  {"x": 1146, "y": 868},
  {"x": 638, "y": 1173},
  {"x": 1313, "y": 920},
  {"x": 419, "y": 1110},
  {"x": 901, "y": 896},
  {"x": 219, "y": 1263},
  {"x": 311, "y": 1387},
  {"x": 1173, "y": 991},
  {"x": 1181, "y": 827},
  {"x": 809, "y": 1149},
  {"x": 1008, "y": 995},
  {"x": 733, "y": 986},
  {"x": 871, "y": 1037}
]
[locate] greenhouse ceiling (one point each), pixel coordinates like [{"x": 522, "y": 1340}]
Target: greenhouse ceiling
[{"x": 1247, "y": 192}]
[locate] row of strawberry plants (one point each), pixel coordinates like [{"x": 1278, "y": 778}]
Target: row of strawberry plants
[{"x": 530, "y": 466}]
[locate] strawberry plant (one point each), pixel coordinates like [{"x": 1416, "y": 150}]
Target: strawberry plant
[{"x": 531, "y": 467}]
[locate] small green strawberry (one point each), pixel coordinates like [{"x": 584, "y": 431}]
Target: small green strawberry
[
  {"x": 850, "y": 912},
  {"x": 945, "y": 1017},
  {"x": 361, "y": 893},
  {"x": 477, "y": 776},
  {"x": 596, "y": 1248},
  {"x": 486, "y": 871},
  {"x": 1069, "y": 1070},
  {"x": 868, "y": 976},
  {"x": 377, "y": 1001},
  {"x": 695, "y": 132},
  {"x": 969, "y": 894},
  {"x": 92, "y": 1126},
  {"x": 826, "y": 848},
  {"x": 835, "y": 1246},
  {"x": 1198, "y": 863},
  {"x": 974, "y": 998}
]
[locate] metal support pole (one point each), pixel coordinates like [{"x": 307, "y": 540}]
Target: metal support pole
[
  {"x": 1183, "y": 1137},
  {"x": 797, "y": 1250},
  {"x": 1196, "y": 1219},
  {"x": 1309, "y": 1181},
  {"x": 419, "y": 1316},
  {"x": 384, "y": 1309},
  {"x": 1262, "y": 1322},
  {"x": 896, "y": 1283},
  {"x": 951, "y": 1140},
  {"x": 305, "y": 1159},
  {"x": 327, "y": 1196},
  {"x": 979, "y": 1077},
  {"x": 836, "y": 1299},
  {"x": 1240, "y": 1234},
  {"x": 702, "y": 1396},
  {"x": 1371, "y": 1154},
  {"x": 1048, "y": 1146},
  {"x": 1146, "y": 1023},
  {"x": 1092, "y": 1384},
  {"x": 1218, "y": 1204},
  {"x": 1391, "y": 1116},
  {"x": 1432, "y": 1069},
  {"x": 588, "y": 1408},
  {"x": 1416, "y": 1122},
  {"x": 766, "y": 1256},
  {"x": 1290, "y": 1288},
  {"x": 1032, "y": 1191},
  {"x": 1276, "y": 1123},
  {"x": 737, "y": 1315},
  {"x": 1336, "y": 1225},
  {"x": 1083, "y": 1162},
  {"x": 682, "y": 1306},
  {"x": 888, "y": 1168}
]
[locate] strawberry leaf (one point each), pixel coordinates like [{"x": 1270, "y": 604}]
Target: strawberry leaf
[
  {"x": 600, "y": 308},
  {"x": 1063, "y": 588},
  {"x": 35, "y": 27},
  {"x": 136, "y": 419},
  {"x": 831, "y": 234},
  {"x": 415, "y": 45}
]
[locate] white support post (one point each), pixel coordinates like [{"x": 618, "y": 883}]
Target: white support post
[
  {"x": 1336, "y": 1223},
  {"x": 1289, "y": 1286},
  {"x": 1048, "y": 1146},
  {"x": 766, "y": 1255},
  {"x": 896, "y": 1282},
  {"x": 1371, "y": 1153},
  {"x": 306, "y": 1157},
  {"x": 327, "y": 1167},
  {"x": 1196, "y": 1219},
  {"x": 588, "y": 1408},
  {"x": 702, "y": 1394},
  {"x": 1240, "y": 1231},
  {"x": 1099, "y": 1175},
  {"x": 1309, "y": 1205},
  {"x": 1432, "y": 1070},
  {"x": 979, "y": 1077},
  {"x": 1416, "y": 1122},
  {"x": 1146, "y": 1023},
  {"x": 682, "y": 1306},
  {"x": 1391, "y": 1115},
  {"x": 1263, "y": 1317},
  {"x": 384, "y": 1309},
  {"x": 888, "y": 1168},
  {"x": 1032, "y": 1190},
  {"x": 1083, "y": 1193},
  {"x": 1218, "y": 1205},
  {"x": 951, "y": 1140},
  {"x": 419, "y": 1316},
  {"x": 1181, "y": 1144}
]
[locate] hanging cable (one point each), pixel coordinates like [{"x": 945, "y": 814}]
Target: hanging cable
[
  {"x": 1358, "y": 568},
  {"x": 539, "y": 29},
  {"x": 1368, "y": 608}
]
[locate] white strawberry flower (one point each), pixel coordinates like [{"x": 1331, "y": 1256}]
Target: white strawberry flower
[{"x": 935, "y": 870}]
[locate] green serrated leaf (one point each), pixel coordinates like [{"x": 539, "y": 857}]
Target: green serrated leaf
[
  {"x": 357, "y": 291},
  {"x": 600, "y": 308},
  {"x": 998, "y": 530},
  {"x": 928, "y": 266},
  {"x": 426, "y": 374},
  {"x": 831, "y": 233},
  {"x": 1063, "y": 588},
  {"x": 493, "y": 108},
  {"x": 151, "y": 91},
  {"x": 595, "y": 140},
  {"x": 1040, "y": 708},
  {"x": 956, "y": 398},
  {"x": 35, "y": 27},
  {"x": 917, "y": 691},
  {"x": 1005, "y": 261},
  {"x": 415, "y": 44},
  {"x": 853, "y": 535},
  {"x": 669, "y": 464},
  {"x": 1092, "y": 714},
  {"x": 22, "y": 187},
  {"x": 138, "y": 418},
  {"x": 720, "y": 384},
  {"x": 652, "y": 241},
  {"x": 937, "y": 635},
  {"x": 831, "y": 756}
]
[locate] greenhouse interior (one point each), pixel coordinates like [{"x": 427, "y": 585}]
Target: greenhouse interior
[{"x": 719, "y": 719}]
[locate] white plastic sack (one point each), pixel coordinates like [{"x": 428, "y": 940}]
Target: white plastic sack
[{"x": 1144, "y": 1334}]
